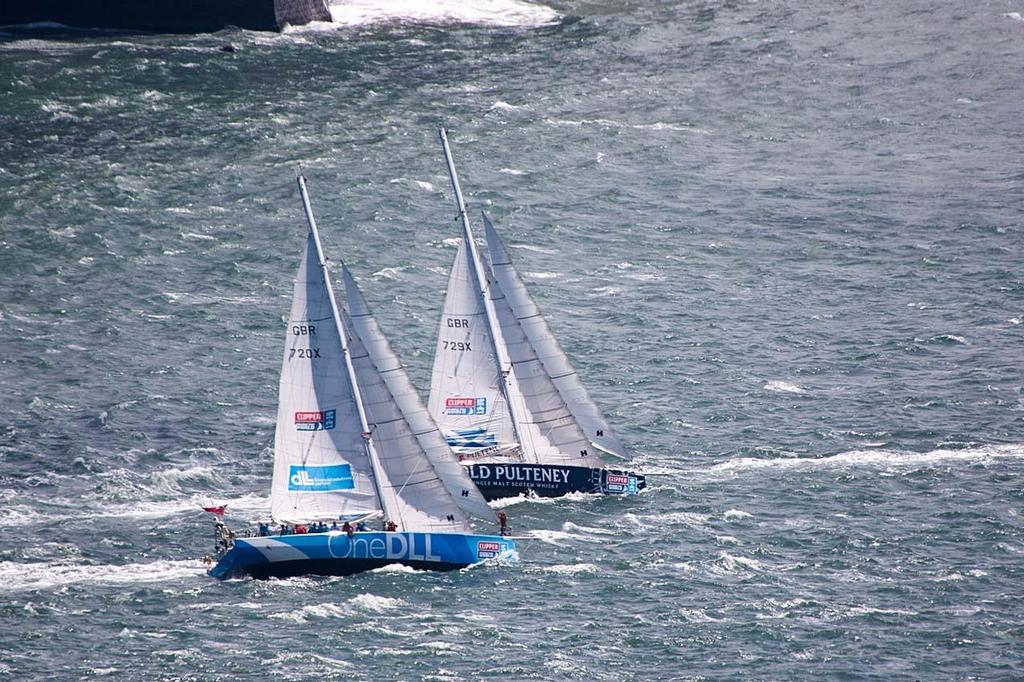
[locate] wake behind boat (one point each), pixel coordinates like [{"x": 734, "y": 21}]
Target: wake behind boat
[
  {"x": 354, "y": 443},
  {"x": 508, "y": 400}
]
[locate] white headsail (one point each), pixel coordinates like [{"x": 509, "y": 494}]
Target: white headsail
[
  {"x": 548, "y": 429},
  {"x": 417, "y": 421},
  {"x": 554, "y": 361}
]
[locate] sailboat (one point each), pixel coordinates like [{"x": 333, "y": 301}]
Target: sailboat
[
  {"x": 354, "y": 443},
  {"x": 509, "y": 402}
]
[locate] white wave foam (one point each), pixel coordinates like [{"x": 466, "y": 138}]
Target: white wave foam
[
  {"x": 571, "y": 569},
  {"x": 1014, "y": 15},
  {"x": 783, "y": 387},
  {"x": 16, "y": 576},
  {"x": 505, "y": 106},
  {"x": 680, "y": 518},
  {"x": 558, "y": 537},
  {"x": 607, "y": 123},
  {"x": 737, "y": 514},
  {"x": 479, "y": 12},
  {"x": 531, "y": 247},
  {"x": 957, "y": 576},
  {"x": 169, "y": 481},
  {"x": 511, "y": 171},
  {"x": 387, "y": 273},
  {"x": 252, "y": 506},
  {"x": 375, "y": 604},
  {"x": 870, "y": 610},
  {"x": 734, "y": 564},
  {"x": 697, "y": 616},
  {"x": 874, "y": 458},
  {"x": 438, "y": 647},
  {"x": 396, "y": 568},
  {"x": 569, "y": 527},
  {"x": 533, "y": 499},
  {"x": 542, "y": 275},
  {"x": 360, "y": 604}
]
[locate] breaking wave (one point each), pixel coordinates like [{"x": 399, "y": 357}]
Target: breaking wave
[
  {"x": 478, "y": 12},
  {"x": 16, "y": 576},
  {"x": 874, "y": 458}
]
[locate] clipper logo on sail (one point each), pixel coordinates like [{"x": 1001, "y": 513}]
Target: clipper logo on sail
[
  {"x": 464, "y": 406},
  {"x": 320, "y": 479},
  {"x": 315, "y": 421}
]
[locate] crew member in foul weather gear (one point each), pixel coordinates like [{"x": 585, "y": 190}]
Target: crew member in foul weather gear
[
  {"x": 391, "y": 527},
  {"x": 503, "y": 523},
  {"x": 347, "y": 527},
  {"x": 361, "y": 526}
]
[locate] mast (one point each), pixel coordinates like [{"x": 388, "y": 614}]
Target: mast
[
  {"x": 369, "y": 450},
  {"x": 500, "y": 352}
]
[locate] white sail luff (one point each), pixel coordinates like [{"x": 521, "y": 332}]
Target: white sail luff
[
  {"x": 555, "y": 363},
  {"x": 386, "y": 505}
]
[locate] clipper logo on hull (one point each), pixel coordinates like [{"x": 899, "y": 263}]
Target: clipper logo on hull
[
  {"x": 487, "y": 549},
  {"x": 618, "y": 483},
  {"x": 320, "y": 479},
  {"x": 315, "y": 421},
  {"x": 465, "y": 406}
]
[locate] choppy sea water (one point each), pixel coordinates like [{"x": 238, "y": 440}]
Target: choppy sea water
[{"x": 781, "y": 241}]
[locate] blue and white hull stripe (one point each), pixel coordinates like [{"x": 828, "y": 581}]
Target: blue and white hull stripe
[{"x": 335, "y": 553}]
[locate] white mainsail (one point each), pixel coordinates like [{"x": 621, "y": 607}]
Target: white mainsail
[
  {"x": 320, "y": 466},
  {"x": 417, "y": 419},
  {"x": 553, "y": 360},
  {"x": 344, "y": 445}
]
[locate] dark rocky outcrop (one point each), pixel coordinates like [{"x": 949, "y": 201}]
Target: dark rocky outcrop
[{"x": 166, "y": 16}]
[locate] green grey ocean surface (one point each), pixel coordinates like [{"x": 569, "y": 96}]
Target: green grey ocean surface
[{"x": 781, "y": 242}]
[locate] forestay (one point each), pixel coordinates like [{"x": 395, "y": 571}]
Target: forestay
[{"x": 543, "y": 343}]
